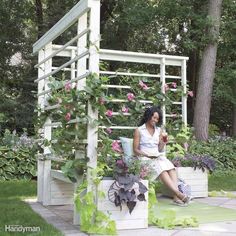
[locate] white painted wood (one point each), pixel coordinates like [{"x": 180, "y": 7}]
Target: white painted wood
[
  {"x": 115, "y": 55},
  {"x": 47, "y": 134},
  {"x": 63, "y": 66},
  {"x": 184, "y": 98},
  {"x": 94, "y": 38},
  {"x": 63, "y": 47},
  {"x": 163, "y": 82},
  {"x": 124, "y": 220},
  {"x": 64, "y": 23},
  {"x": 58, "y": 174},
  {"x": 40, "y": 166},
  {"x": 119, "y": 127},
  {"x": 62, "y": 190},
  {"x": 46, "y": 183},
  {"x": 71, "y": 81},
  {"x": 129, "y": 74},
  {"x": 40, "y": 175}
]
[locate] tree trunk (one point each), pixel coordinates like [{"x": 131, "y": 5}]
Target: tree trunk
[
  {"x": 234, "y": 111},
  {"x": 39, "y": 17},
  {"x": 192, "y": 70},
  {"x": 207, "y": 73}
]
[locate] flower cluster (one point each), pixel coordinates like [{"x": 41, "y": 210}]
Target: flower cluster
[{"x": 196, "y": 161}]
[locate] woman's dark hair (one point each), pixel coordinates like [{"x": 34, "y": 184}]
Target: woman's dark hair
[{"x": 149, "y": 113}]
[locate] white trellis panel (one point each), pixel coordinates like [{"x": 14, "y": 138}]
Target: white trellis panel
[
  {"x": 184, "y": 98},
  {"x": 163, "y": 81}
]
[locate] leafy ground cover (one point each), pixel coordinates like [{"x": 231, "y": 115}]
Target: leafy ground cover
[{"x": 14, "y": 211}]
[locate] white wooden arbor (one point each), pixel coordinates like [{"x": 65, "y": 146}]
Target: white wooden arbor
[{"x": 83, "y": 56}]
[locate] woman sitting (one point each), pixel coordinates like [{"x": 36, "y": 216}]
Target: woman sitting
[{"x": 149, "y": 143}]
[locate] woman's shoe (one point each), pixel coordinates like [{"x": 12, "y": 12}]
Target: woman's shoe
[
  {"x": 179, "y": 203},
  {"x": 186, "y": 199}
]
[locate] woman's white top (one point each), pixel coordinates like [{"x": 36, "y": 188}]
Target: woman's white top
[{"x": 149, "y": 144}]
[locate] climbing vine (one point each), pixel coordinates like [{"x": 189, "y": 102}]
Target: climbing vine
[{"x": 69, "y": 109}]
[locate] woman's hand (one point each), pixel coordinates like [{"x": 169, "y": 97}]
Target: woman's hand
[{"x": 164, "y": 137}]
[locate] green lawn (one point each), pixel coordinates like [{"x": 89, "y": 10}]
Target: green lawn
[
  {"x": 14, "y": 211},
  {"x": 222, "y": 181}
]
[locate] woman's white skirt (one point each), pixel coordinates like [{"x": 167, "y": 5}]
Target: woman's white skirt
[{"x": 158, "y": 165}]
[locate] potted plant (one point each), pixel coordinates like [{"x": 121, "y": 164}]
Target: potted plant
[
  {"x": 126, "y": 199},
  {"x": 193, "y": 170}
]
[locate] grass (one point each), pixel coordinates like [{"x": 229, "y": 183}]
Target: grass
[
  {"x": 222, "y": 180},
  {"x": 14, "y": 211}
]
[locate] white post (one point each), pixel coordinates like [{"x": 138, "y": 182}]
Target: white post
[
  {"x": 40, "y": 163},
  {"x": 184, "y": 98},
  {"x": 47, "y": 135},
  {"x": 81, "y": 69},
  {"x": 163, "y": 82},
  {"x": 92, "y": 135}
]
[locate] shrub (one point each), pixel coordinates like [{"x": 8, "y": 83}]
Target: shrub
[
  {"x": 222, "y": 149},
  {"x": 196, "y": 161},
  {"x": 17, "y": 156}
]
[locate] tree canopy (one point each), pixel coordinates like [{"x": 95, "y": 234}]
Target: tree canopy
[{"x": 165, "y": 26}]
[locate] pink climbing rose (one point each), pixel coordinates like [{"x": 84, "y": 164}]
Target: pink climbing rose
[
  {"x": 125, "y": 109},
  {"x": 173, "y": 85},
  {"x": 166, "y": 87},
  {"x": 130, "y": 96},
  {"x": 101, "y": 100},
  {"x": 68, "y": 116},
  {"x": 116, "y": 146},
  {"x": 144, "y": 172},
  {"x": 190, "y": 93},
  {"x": 143, "y": 85},
  {"x": 67, "y": 87},
  {"x": 109, "y": 130},
  {"x": 109, "y": 113}
]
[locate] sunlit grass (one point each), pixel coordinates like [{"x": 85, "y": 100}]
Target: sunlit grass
[{"x": 14, "y": 211}]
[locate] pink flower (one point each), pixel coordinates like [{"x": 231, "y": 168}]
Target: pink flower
[
  {"x": 144, "y": 172},
  {"x": 130, "y": 96},
  {"x": 166, "y": 87},
  {"x": 125, "y": 109},
  {"x": 101, "y": 100},
  {"x": 109, "y": 113},
  {"x": 143, "y": 85},
  {"x": 173, "y": 85},
  {"x": 67, "y": 87},
  {"x": 67, "y": 116},
  {"x": 116, "y": 146},
  {"x": 109, "y": 130},
  {"x": 190, "y": 93}
]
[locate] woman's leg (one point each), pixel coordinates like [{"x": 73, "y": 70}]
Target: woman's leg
[
  {"x": 165, "y": 177},
  {"x": 173, "y": 175}
]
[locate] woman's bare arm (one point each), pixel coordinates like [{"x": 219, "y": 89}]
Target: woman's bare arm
[
  {"x": 161, "y": 144},
  {"x": 136, "y": 144}
]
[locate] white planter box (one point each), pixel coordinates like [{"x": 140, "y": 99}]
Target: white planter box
[
  {"x": 124, "y": 220},
  {"x": 197, "y": 179}
]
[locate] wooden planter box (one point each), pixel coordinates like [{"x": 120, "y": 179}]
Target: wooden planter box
[
  {"x": 197, "y": 179},
  {"x": 124, "y": 220}
]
